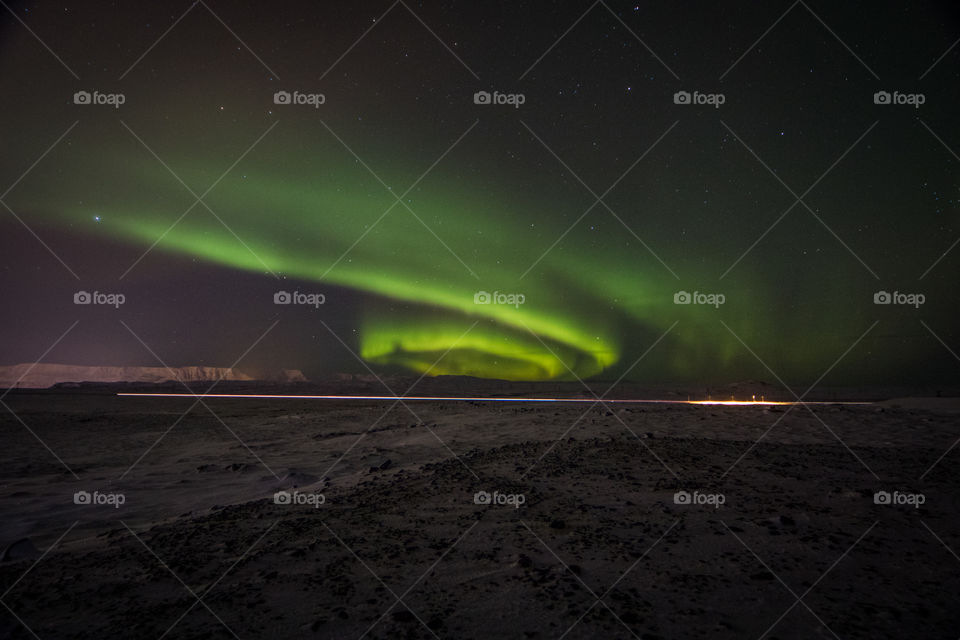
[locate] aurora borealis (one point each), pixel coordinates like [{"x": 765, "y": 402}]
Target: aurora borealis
[{"x": 296, "y": 202}]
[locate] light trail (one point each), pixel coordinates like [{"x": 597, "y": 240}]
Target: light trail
[{"x": 267, "y": 396}]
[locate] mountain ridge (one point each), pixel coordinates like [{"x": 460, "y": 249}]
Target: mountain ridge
[{"x": 44, "y": 375}]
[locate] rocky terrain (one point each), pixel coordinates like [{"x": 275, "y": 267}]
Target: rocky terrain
[{"x": 475, "y": 520}]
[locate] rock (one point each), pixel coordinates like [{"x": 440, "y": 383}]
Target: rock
[
  {"x": 383, "y": 466},
  {"x": 239, "y": 467},
  {"x": 295, "y": 478},
  {"x": 403, "y": 615},
  {"x": 22, "y": 549}
]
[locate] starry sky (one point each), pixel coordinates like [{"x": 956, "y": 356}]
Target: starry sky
[{"x": 590, "y": 209}]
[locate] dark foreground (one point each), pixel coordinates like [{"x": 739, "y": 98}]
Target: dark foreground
[{"x": 590, "y": 540}]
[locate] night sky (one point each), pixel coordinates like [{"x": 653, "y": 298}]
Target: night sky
[{"x": 399, "y": 199}]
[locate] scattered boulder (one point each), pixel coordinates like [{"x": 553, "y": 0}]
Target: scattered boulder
[
  {"x": 22, "y": 549},
  {"x": 383, "y": 466}
]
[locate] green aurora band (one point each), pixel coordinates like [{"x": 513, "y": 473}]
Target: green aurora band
[{"x": 585, "y": 302}]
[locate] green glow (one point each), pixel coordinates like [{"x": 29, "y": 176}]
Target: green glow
[
  {"x": 585, "y": 301},
  {"x": 489, "y": 349}
]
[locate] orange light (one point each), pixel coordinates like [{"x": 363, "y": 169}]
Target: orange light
[{"x": 266, "y": 396}]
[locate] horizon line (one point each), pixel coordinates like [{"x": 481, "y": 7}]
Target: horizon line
[{"x": 269, "y": 396}]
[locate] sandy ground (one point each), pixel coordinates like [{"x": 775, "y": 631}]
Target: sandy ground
[{"x": 589, "y": 541}]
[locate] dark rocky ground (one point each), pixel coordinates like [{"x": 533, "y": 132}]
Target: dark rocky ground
[{"x": 599, "y": 548}]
